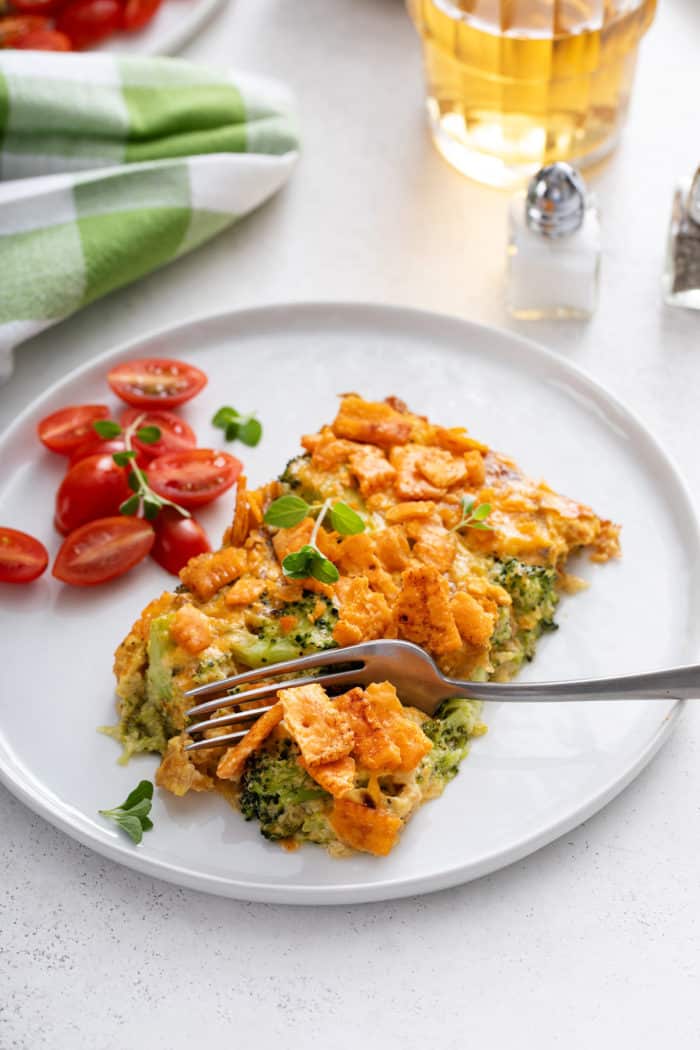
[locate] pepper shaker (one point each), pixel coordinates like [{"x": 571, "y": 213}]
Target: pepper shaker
[
  {"x": 682, "y": 270},
  {"x": 553, "y": 248}
]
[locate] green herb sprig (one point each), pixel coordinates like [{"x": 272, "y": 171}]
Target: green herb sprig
[
  {"x": 308, "y": 561},
  {"x": 473, "y": 516},
  {"x": 132, "y": 816},
  {"x": 144, "y": 500},
  {"x": 238, "y": 427}
]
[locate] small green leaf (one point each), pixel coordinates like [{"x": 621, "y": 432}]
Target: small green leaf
[
  {"x": 249, "y": 432},
  {"x": 139, "y": 809},
  {"x": 144, "y": 789},
  {"x": 481, "y": 512},
  {"x": 132, "y": 816},
  {"x": 151, "y": 507},
  {"x": 107, "y": 428},
  {"x": 122, "y": 458},
  {"x": 131, "y": 825},
  {"x": 286, "y": 512},
  {"x": 324, "y": 570},
  {"x": 472, "y": 516},
  {"x": 148, "y": 435},
  {"x": 134, "y": 481},
  {"x": 345, "y": 521},
  {"x": 238, "y": 427},
  {"x": 224, "y": 417},
  {"x": 297, "y": 566},
  {"x": 130, "y": 505}
]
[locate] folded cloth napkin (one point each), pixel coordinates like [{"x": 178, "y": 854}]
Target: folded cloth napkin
[{"x": 116, "y": 166}]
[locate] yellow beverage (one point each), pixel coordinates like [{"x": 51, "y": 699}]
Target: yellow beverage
[{"x": 515, "y": 84}]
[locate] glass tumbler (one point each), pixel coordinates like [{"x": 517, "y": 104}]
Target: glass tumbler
[{"x": 513, "y": 85}]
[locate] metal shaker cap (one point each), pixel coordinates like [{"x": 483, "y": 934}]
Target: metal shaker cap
[{"x": 555, "y": 205}]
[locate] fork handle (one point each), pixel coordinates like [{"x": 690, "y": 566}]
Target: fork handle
[{"x": 677, "y": 683}]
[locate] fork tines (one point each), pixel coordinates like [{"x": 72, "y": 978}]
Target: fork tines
[{"x": 220, "y": 694}]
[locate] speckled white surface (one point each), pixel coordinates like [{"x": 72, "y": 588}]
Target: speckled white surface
[{"x": 592, "y": 941}]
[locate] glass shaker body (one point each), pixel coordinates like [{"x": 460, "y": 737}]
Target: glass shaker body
[{"x": 552, "y": 277}]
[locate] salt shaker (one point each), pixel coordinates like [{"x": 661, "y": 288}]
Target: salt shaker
[
  {"x": 553, "y": 248},
  {"x": 682, "y": 270}
]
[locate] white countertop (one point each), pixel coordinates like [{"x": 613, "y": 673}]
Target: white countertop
[{"x": 591, "y": 941}]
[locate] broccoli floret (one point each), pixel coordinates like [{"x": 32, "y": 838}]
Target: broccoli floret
[
  {"x": 269, "y": 644},
  {"x": 503, "y": 630},
  {"x": 290, "y": 474},
  {"x": 455, "y": 722},
  {"x": 152, "y": 710},
  {"x": 301, "y": 477},
  {"x": 531, "y": 587},
  {"x": 281, "y": 795}
]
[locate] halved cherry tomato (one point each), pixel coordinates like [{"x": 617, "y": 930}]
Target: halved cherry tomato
[
  {"x": 22, "y": 558},
  {"x": 103, "y": 549},
  {"x": 86, "y": 22},
  {"x": 175, "y": 434},
  {"x": 177, "y": 540},
  {"x": 138, "y": 12},
  {"x": 93, "y": 446},
  {"x": 64, "y": 430},
  {"x": 195, "y": 477},
  {"x": 156, "y": 382},
  {"x": 15, "y": 27},
  {"x": 94, "y": 488},
  {"x": 44, "y": 40}
]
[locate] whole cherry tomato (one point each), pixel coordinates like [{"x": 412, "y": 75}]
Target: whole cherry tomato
[
  {"x": 44, "y": 40},
  {"x": 175, "y": 434},
  {"x": 177, "y": 540},
  {"x": 194, "y": 477},
  {"x": 94, "y": 488},
  {"x": 156, "y": 382},
  {"x": 86, "y": 22},
  {"x": 22, "y": 558},
  {"x": 100, "y": 550},
  {"x": 138, "y": 12},
  {"x": 64, "y": 430}
]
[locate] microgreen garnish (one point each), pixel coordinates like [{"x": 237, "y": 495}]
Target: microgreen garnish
[
  {"x": 122, "y": 459},
  {"x": 308, "y": 561},
  {"x": 148, "y": 434},
  {"x": 132, "y": 816},
  {"x": 144, "y": 501},
  {"x": 107, "y": 428},
  {"x": 345, "y": 521},
  {"x": 473, "y": 516},
  {"x": 238, "y": 427},
  {"x": 286, "y": 512}
]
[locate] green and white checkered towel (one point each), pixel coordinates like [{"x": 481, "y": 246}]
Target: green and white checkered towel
[{"x": 113, "y": 166}]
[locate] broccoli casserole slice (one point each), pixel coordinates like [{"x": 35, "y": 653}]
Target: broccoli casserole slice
[{"x": 477, "y": 599}]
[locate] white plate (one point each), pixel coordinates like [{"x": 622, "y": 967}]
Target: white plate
[
  {"x": 540, "y": 770},
  {"x": 175, "y": 22}
]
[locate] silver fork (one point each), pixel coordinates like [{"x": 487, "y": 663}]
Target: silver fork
[{"x": 418, "y": 682}]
